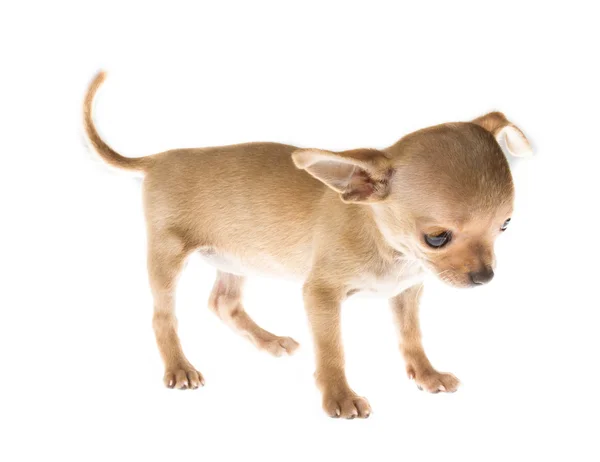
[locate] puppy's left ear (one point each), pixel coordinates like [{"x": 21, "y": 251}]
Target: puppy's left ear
[
  {"x": 360, "y": 175},
  {"x": 499, "y": 126}
]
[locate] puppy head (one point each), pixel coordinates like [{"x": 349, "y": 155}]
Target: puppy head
[{"x": 441, "y": 195}]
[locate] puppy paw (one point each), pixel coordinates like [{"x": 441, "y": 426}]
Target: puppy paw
[
  {"x": 279, "y": 346},
  {"x": 347, "y": 405},
  {"x": 183, "y": 378},
  {"x": 433, "y": 381}
]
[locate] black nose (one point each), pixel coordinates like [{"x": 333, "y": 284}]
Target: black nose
[{"x": 482, "y": 277}]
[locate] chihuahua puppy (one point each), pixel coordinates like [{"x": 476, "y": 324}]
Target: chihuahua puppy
[{"x": 341, "y": 222}]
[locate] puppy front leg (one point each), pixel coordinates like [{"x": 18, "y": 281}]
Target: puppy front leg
[
  {"x": 405, "y": 307},
  {"x": 323, "y": 306}
]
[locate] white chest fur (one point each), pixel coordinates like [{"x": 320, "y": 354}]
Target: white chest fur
[{"x": 393, "y": 280}]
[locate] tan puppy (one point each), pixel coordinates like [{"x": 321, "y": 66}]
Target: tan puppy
[{"x": 342, "y": 222}]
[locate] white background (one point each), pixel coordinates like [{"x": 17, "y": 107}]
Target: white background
[{"x": 80, "y": 375}]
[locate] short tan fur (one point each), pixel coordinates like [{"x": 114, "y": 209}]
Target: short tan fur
[{"x": 341, "y": 222}]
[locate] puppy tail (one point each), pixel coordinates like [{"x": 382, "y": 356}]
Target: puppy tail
[{"x": 109, "y": 155}]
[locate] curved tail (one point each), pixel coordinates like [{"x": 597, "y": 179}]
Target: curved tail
[{"x": 104, "y": 150}]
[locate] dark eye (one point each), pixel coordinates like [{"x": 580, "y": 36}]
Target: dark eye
[
  {"x": 438, "y": 240},
  {"x": 505, "y": 225}
]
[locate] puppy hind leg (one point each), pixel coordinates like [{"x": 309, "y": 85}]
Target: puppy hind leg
[
  {"x": 225, "y": 302},
  {"x": 166, "y": 256}
]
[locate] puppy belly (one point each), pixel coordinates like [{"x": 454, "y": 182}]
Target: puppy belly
[
  {"x": 263, "y": 265},
  {"x": 222, "y": 262}
]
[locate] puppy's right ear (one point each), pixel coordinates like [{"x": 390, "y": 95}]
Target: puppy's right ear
[
  {"x": 499, "y": 126},
  {"x": 360, "y": 175}
]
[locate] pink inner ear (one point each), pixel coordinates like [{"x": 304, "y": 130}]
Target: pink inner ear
[
  {"x": 357, "y": 175},
  {"x": 360, "y": 186},
  {"x": 364, "y": 190},
  {"x": 335, "y": 174}
]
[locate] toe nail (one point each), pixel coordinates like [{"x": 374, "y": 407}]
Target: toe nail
[{"x": 442, "y": 388}]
